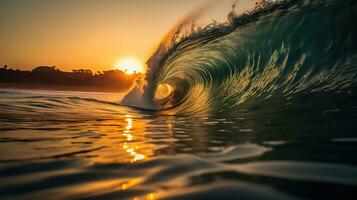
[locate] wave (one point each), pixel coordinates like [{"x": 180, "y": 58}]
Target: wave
[{"x": 277, "y": 52}]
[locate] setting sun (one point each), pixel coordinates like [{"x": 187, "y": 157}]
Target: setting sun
[{"x": 130, "y": 65}]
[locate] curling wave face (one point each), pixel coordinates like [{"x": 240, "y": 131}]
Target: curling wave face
[{"x": 277, "y": 53}]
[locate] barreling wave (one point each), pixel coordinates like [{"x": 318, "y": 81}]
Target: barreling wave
[{"x": 281, "y": 50}]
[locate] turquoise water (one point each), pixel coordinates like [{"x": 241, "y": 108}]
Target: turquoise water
[
  {"x": 263, "y": 106},
  {"x": 288, "y": 52},
  {"x": 70, "y": 145}
]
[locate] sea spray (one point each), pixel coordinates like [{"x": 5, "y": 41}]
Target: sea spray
[{"x": 279, "y": 50}]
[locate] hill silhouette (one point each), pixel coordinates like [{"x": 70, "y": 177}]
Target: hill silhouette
[{"x": 51, "y": 78}]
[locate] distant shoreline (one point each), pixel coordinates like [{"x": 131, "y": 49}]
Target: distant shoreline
[
  {"x": 61, "y": 88},
  {"x": 51, "y": 78}
]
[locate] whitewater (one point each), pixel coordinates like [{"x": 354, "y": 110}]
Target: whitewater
[
  {"x": 279, "y": 51},
  {"x": 260, "y": 106}
]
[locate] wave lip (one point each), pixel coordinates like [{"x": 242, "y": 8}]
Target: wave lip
[{"x": 280, "y": 51}]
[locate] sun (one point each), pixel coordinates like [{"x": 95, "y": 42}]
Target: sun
[{"x": 130, "y": 65}]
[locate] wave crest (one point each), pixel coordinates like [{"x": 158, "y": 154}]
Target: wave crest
[{"x": 282, "y": 50}]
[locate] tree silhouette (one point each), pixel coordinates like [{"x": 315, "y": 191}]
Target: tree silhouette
[{"x": 79, "y": 79}]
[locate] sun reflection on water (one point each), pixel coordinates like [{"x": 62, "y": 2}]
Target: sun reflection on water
[
  {"x": 124, "y": 139},
  {"x": 150, "y": 196},
  {"x": 129, "y": 147}
]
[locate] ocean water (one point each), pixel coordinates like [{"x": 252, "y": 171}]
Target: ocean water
[
  {"x": 263, "y": 106},
  {"x": 71, "y": 145}
]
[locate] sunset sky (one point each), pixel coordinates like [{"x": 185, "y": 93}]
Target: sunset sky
[{"x": 86, "y": 34}]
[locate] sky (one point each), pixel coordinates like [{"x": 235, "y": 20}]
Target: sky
[{"x": 89, "y": 34}]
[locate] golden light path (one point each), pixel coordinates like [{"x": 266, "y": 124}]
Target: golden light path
[
  {"x": 126, "y": 140},
  {"x": 130, "y": 149},
  {"x": 135, "y": 157},
  {"x": 130, "y": 65}
]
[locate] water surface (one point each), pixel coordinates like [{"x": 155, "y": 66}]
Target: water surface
[
  {"x": 72, "y": 145},
  {"x": 263, "y": 106}
]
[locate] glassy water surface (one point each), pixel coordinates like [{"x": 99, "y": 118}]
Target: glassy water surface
[
  {"x": 72, "y": 145},
  {"x": 262, "y": 106}
]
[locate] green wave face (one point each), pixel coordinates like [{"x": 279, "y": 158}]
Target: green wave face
[{"x": 273, "y": 56}]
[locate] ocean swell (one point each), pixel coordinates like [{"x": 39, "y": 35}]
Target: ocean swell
[{"x": 277, "y": 52}]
